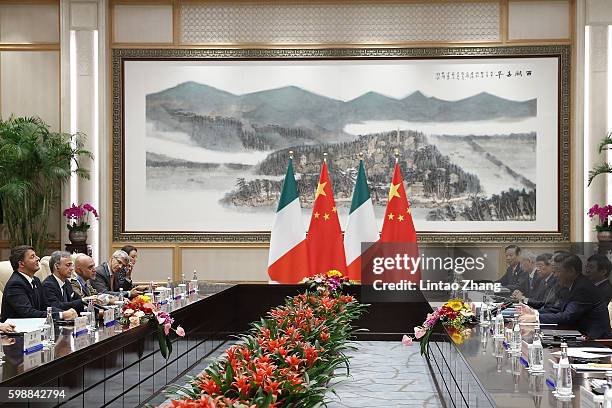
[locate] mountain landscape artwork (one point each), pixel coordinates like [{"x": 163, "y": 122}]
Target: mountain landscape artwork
[
  {"x": 449, "y": 177},
  {"x": 213, "y": 140}
]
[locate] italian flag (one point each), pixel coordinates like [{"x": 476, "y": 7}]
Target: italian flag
[
  {"x": 362, "y": 229},
  {"x": 288, "y": 259}
]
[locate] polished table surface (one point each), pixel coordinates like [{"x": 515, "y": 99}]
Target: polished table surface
[
  {"x": 506, "y": 381},
  {"x": 16, "y": 363}
]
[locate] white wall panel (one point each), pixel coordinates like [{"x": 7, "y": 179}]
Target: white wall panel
[
  {"x": 29, "y": 23},
  {"x": 143, "y": 23},
  {"x": 598, "y": 12},
  {"x": 538, "y": 20},
  {"x": 226, "y": 264},
  {"x": 29, "y": 85},
  {"x": 154, "y": 264}
]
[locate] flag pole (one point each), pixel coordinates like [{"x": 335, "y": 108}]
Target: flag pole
[
  {"x": 397, "y": 154},
  {"x": 291, "y": 154},
  {"x": 325, "y": 157}
]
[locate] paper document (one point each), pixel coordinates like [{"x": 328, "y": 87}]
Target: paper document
[
  {"x": 598, "y": 350},
  {"x": 27, "y": 325},
  {"x": 586, "y": 352},
  {"x": 592, "y": 367}
]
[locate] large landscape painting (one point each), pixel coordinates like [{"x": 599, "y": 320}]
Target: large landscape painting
[{"x": 207, "y": 142}]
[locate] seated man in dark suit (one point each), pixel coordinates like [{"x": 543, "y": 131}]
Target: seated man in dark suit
[
  {"x": 57, "y": 286},
  {"x": 110, "y": 278},
  {"x": 580, "y": 306},
  {"x": 514, "y": 278},
  {"x": 23, "y": 294},
  {"x": 544, "y": 293},
  {"x": 598, "y": 270},
  {"x": 528, "y": 265}
]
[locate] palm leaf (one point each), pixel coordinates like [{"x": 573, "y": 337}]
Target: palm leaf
[
  {"x": 605, "y": 141},
  {"x": 597, "y": 170}
]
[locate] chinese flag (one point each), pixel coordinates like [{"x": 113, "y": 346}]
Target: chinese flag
[
  {"x": 324, "y": 241},
  {"x": 398, "y": 235},
  {"x": 398, "y": 225}
]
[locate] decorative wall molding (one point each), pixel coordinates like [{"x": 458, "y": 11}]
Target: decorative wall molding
[{"x": 339, "y": 23}]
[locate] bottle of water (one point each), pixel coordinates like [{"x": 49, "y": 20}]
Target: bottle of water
[
  {"x": 608, "y": 392},
  {"x": 517, "y": 340},
  {"x": 92, "y": 315},
  {"x": 51, "y": 329},
  {"x": 151, "y": 288},
  {"x": 484, "y": 312},
  {"x": 564, "y": 374},
  {"x": 194, "y": 282},
  {"x": 170, "y": 291},
  {"x": 121, "y": 296},
  {"x": 536, "y": 352},
  {"x": 498, "y": 329},
  {"x": 183, "y": 279}
]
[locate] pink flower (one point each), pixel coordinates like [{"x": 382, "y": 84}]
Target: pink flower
[
  {"x": 161, "y": 319},
  {"x": 407, "y": 340},
  {"x": 167, "y": 327},
  {"x": 180, "y": 331},
  {"x": 419, "y": 332}
]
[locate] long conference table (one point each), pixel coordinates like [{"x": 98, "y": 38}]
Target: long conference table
[{"x": 123, "y": 367}]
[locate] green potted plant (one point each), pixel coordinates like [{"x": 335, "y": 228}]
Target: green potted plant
[
  {"x": 34, "y": 164},
  {"x": 602, "y": 168}
]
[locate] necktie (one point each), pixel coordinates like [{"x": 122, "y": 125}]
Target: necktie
[
  {"x": 65, "y": 292},
  {"x": 112, "y": 281},
  {"x": 36, "y": 297}
]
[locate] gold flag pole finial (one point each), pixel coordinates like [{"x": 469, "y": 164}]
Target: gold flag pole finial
[
  {"x": 291, "y": 154},
  {"x": 360, "y": 156},
  {"x": 396, "y": 153},
  {"x": 325, "y": 157}
]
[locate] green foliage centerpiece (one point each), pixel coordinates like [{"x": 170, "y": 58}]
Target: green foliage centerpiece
[{"x": 34, "y": 164}]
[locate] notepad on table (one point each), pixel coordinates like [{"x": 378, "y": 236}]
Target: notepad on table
[{"x": 27, "y": 325}]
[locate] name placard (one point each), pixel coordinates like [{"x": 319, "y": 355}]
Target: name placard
[
  {"x": 32, "y": 341},
  {"x": 109, "y": 317},
  {"x": 32, "y": 360},
  {"x": 80, "y": 325}
]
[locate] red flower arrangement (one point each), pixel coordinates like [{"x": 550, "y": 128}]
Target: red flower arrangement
[{"x": 286, "y": 359}]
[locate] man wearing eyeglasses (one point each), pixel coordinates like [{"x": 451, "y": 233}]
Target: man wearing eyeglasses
[{"x": 107, "y": 278}]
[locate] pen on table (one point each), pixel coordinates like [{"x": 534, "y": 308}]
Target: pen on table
[
  {"x": 600, "y": 365},
  {"x": 524, "y": 362},
  {"x": 550, "y": 383}
]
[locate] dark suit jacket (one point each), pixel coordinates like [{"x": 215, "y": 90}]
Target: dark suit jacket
[
  {"x": 582, "y": 308},
  {"x": 515, "y": 278},
  {"x": 532, "y": 287},
  {"x": 102, "y": 281},
  {"x": 55, "y": 296},
  {"x": 545, "y": 294},
  {"x": 20, "y": 300},
  {"x": 605, "y": 290}
]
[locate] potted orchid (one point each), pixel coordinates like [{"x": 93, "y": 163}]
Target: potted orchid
[
  {"x": 603, "y": 214},
  {"x": 77, "y": 221}
]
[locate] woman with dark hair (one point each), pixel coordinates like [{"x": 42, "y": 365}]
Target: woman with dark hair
[{"x": 125, "y": 277}]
